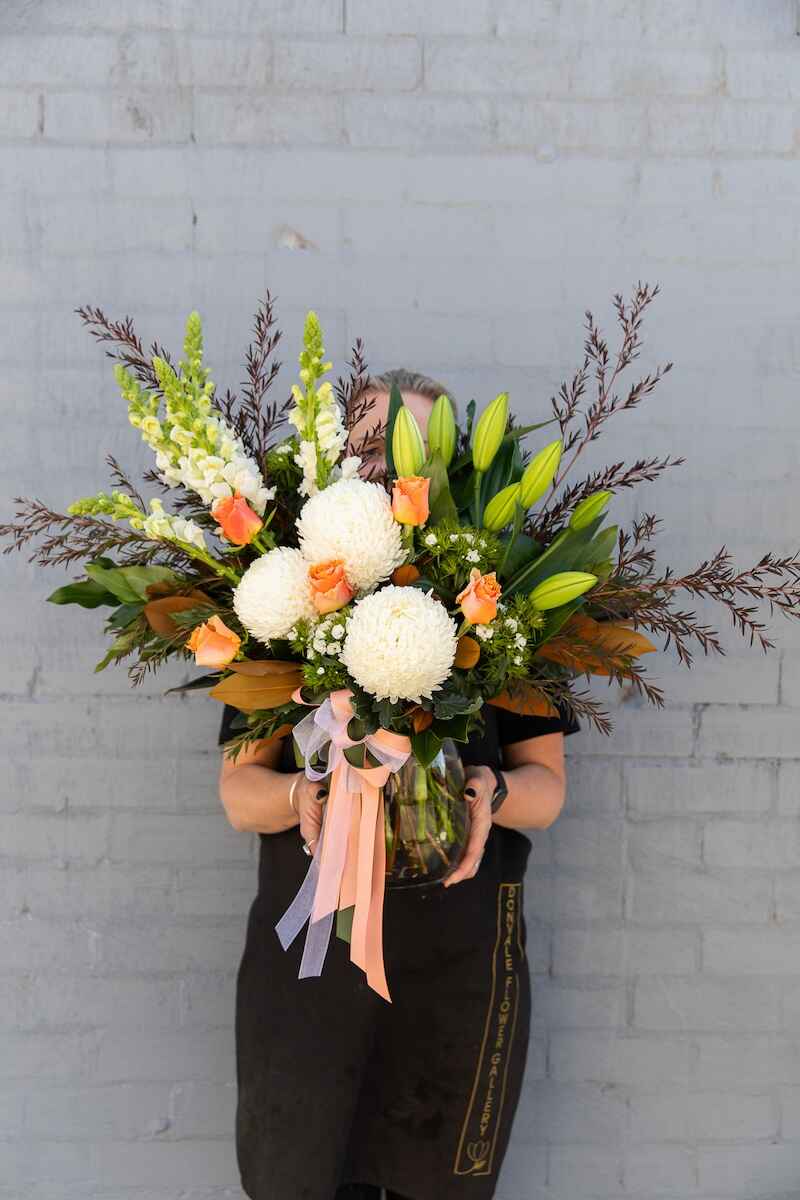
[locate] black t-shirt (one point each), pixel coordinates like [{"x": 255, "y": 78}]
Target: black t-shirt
[
  {"x": 501, "y": 728},
  {"x": 507, "y": 849}
]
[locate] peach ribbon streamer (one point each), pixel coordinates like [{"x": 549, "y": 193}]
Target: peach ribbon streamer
[{"x": 349, "y": 863}]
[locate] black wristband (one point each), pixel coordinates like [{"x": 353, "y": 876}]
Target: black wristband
[{"x": 501, "y": 789}]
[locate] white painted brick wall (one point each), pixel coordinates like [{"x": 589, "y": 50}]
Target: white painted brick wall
[{"x": 467, "y": 178}]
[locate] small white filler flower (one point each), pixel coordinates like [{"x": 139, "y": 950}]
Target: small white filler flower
[
  {"x": 274, "y": 594},
  {"x": 400, "y": 644}
]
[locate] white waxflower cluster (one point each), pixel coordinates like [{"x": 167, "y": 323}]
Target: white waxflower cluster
[
  {"x": 327, "y": 636},
  {"x": 274, "y": 593},
  {"x": 352, "y": 520},
  {"x": 400, "y": 644},
  {"x": 161, "y": 525}
]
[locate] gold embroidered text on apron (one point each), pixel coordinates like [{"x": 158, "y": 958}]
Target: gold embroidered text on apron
[{"x": 482, "y": 1122}]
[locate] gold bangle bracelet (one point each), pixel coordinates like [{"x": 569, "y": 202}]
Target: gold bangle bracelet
[{"x": 295, "y": 782}]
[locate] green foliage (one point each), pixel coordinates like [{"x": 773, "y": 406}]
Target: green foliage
[
  {"x": 440, "y": 500},
  {"x": 87, "y": 593},
  {"x": 129, "y": 584},
  {"x": 395, "y": 404}
]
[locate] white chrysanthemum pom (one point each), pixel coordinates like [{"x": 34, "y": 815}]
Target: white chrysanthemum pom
[
  {"x": 400, "y": 644},
  {"x": 273, "y": 594},
  {"x": 352, "y": 520}
]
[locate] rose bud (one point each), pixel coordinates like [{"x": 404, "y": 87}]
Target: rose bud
[
  {"x": 410, "y": 500},
  {"x": 213, "y": 644},
  {"x": 560, "y": 589},
  {"x": 330, "y": 589},
  {"x": 479, "y": 598},
  {"x": 236, "y": 518}
]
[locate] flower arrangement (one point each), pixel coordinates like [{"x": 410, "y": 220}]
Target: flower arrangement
[{"x": 375, "y": 609}]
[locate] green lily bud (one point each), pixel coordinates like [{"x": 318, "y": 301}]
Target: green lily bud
[
  {"x": 585, "y": 512},
  {"x": 442, "y": 430},
  {"x": 499, "y": 512},
  {"x": 489, "y": 432},
  {"x": 408, "y": 448},
  {"x": 560, "y": 589},
  {"x": 539, "y": 473}
]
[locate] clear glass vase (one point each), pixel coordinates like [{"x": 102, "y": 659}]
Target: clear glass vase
[{"x": 427, "y": 820}]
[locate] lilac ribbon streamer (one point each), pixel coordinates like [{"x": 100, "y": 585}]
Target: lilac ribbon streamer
[
  {"x": 299, "y": 911},
  {"x": 312, "y": 734}
]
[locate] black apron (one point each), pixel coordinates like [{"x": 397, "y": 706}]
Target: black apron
[{"x": 335, "y": 1085}]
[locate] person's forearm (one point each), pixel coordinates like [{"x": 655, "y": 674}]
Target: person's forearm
[
  {"x": 535, "y": 797},
  {"x": 256, "y": 799}
]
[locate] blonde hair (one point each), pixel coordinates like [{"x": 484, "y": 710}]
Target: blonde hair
[{"x": 410, "y": 381}]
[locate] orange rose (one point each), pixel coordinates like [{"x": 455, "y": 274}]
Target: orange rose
[
  {"x": 410, "y": 500},
  {"x": 213, "y": 644},
  {"x": 479, "y": 598},
  {"x": 235, "y": 516},
  {"x": 329, "y": 587}
]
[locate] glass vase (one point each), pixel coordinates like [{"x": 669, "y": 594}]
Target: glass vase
[{"x": 427, "y": 820}]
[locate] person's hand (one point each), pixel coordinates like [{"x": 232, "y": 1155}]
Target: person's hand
[
  {"x": 309, "y": 796},
  {"x": 480, "y": 786}
]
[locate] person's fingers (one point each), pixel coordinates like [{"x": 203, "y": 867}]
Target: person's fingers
[
  {"x": 311, "y": 817},
  {"x": 473, "y": 851}
]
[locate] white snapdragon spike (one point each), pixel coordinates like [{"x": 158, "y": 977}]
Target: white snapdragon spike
[
  {"x": 194, "y": 446},
  {"x": 306, "y": 460},
  {"x": 162, "y": 526},
  {"x": 274, "y": 594},
  {"x": 348, "y": 468},
  {"x": 400, "y": 644},
  {"x": 214, "y": 475},
  {"x": 352, "y": 520}
]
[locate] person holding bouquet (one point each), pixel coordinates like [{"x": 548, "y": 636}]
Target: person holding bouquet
[
  {"x": 340, "y": 1094},
  {"x": 393, "y": 608}
]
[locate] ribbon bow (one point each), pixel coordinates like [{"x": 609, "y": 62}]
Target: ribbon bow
[{"x": 348, "y": 868}]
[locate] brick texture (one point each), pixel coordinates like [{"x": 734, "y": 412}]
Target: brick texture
[{"x": 456, "y": 183}]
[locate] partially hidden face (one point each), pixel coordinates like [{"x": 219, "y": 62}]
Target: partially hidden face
[{"x": 373, "y": 425}]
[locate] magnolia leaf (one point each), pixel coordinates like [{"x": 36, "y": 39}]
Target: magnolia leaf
[
  {"x": 615, "y": 643},
  {"x": 158, "y": 611},
  {"x": 468, "y": 652},
  {"x": 265, "y": 667},
  {"x": 526, "y": 700},
  {"x": 612, "y": 635},
  {"x": 253, "y": 692}
]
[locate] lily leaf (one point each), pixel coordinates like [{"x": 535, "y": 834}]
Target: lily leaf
[
  {"x": 395, "y": 404},
  {"x": 524, "y": 550},
  {"x": 561, "y": 555},
  {"x": 440, "y": 499}
]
